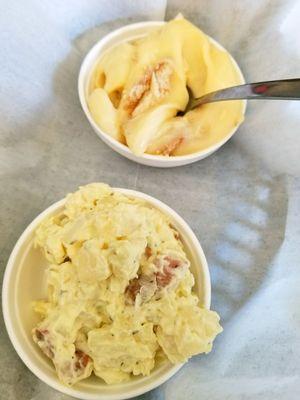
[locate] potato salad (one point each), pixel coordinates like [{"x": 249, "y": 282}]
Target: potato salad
[{"x": 120, "y": 291}]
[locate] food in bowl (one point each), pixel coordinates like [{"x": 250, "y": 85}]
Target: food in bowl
[
  {"x": 137, "y": 88},
  {"x": 120, "y": 290}
]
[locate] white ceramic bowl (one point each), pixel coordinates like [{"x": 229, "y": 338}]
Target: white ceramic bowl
[
  {"x": 24, "y": 282},
  {"x": 126, "y": 33}
]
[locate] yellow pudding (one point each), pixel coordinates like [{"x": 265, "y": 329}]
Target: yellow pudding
[{"x": 137, "y": 88}]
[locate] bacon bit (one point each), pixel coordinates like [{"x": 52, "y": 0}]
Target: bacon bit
[
  {"x": 144, "y": 285},
  {"x": 150, "y": 284},
  {"x": 133, "y": 288},
  {"x": 41, "y": 333},
  {"x": 148, "y": 251},
  {"x": 164, "y": 277},
  {"x": 138, "y": 91},
  {"x": 43, "y": 340},
  {"x": 171, "y": 146},
  {"x": 82, "y": 360},
  {"x": 173, "y": 262}
]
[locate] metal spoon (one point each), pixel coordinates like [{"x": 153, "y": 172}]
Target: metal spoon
[{"x": 285, "y": 89}]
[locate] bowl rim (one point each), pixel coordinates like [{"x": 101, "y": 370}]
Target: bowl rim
[
  {"x": 17, "y": 344},
  {"x": 85, "y": 71}
]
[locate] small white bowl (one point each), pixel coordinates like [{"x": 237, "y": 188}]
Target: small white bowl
[
  {"x": 126, "y": 33},
  {"x": 24, "y": 282}
]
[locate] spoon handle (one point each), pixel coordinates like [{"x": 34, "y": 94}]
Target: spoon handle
[{"x": 286, "y": 89}]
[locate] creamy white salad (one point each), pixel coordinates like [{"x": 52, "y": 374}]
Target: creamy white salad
[{"x": 120, "y": 290}]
